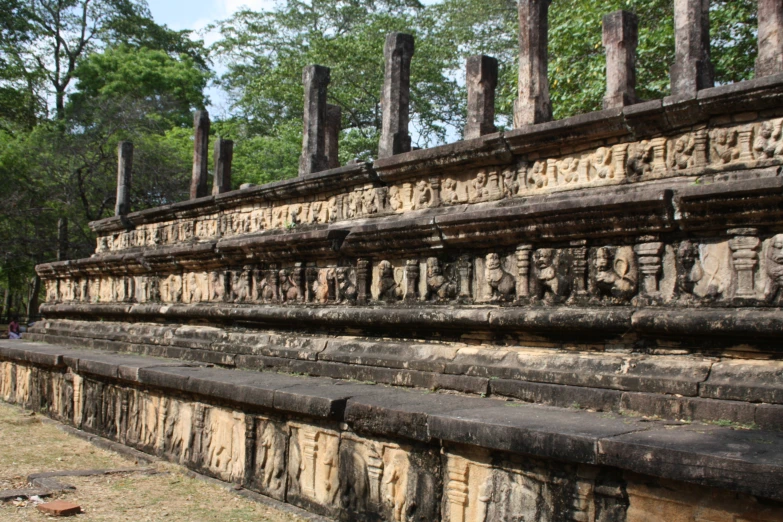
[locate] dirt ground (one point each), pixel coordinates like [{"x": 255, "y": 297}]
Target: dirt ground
[{"x": 27, "y": 445}]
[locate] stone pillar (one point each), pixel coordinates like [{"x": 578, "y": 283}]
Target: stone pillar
[
  {"x": 744, "y": 251},
  {"x": 334, "y": 124},
  {"x": 198, "y": 184},
  {"x": 649, "y": 251},
  {"x": 579, "y": 253},
  {"x": 621, "y": 36},
  {"x": 224, "y": 154},
  {"x": 362, "y": 280},
  {"x": 395, "y": 101},
  {"x": 770, "y": 59},
  {"x": 62, "y": 239},
  {"x": 412, "y": 276},
  {"x": 465, "y": 270},
  {"x": 124, "y": 176},
  {"x": 482, "y": 80},
  {"x": 532, "y": 104},
  {"x": 692, "y": 70},
  {"x": 316, "y": 79},
  {"x": 523, "y": 271}
]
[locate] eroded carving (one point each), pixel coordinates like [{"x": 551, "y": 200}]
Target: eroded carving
[
  {"x": 616, "y": 273},
  {"x": 439, "y": 286},
  {"x": 502, "y": 285}
]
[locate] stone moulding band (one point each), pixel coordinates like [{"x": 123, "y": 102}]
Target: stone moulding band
[{"x": 585, "y": 322}]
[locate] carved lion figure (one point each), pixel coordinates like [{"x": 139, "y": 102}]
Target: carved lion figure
[
  {"x": 502, "y": 285},
  {"x": 346, "y": 289},
  {"x": 773, "y": 293},
  {"x": 389, "y": 290},
  {"x": 551, "y": 285},
  {"x": 438, "y": 285},
  {"x": 640, "y": 160}
]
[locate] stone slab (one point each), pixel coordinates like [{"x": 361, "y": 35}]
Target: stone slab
[
  {"x": 568, "y": 435},
  {"x": 744, "y": 460}
]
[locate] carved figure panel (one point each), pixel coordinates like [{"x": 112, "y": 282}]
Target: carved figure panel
[
  {"x": 551, "y": 282},
  {"x": 768, "y": 143},
  {"x": 385, "y": 481},
  {"x": 313, "y": 465},
  {"x": 388, "y": 282},
  {"x": 223, "y": 444},
  {"x": 773, "y": 289},
  {"x": 615, "y": 274},
  {"x": 270, "y": 458},
  {"x": 442, "y": 283}
]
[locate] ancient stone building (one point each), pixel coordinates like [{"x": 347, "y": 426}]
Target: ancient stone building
[{"x": 574, "y": 320}]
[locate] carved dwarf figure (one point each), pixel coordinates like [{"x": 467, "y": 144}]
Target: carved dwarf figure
[
  {"x": 439, "y": 287},
  {"x": 682, "y": 154},
  {"x": 602, "y": 163},
  {"x": 389, "y": 289},
  {"x": 479, "y": 186},
  {"x": 689, "y": 269},
  {"x": 640, "y": 160},
  {"x": 395, "y": 200},
  {"x": 449, "y": 191},
  {"x": 538, "y": 177},
  {"x": 615, "y": 273},
  {"x": 724, "y": 146},
  {"x": 768, "y": 143},
  {"x": 423, "y": 196},
  {"x": 551, "y": 284},
  {"x": 569, "y": 170},
  {"x": 510, "y": 184},
  {"x": 370, "y": 203},
  {"x": 773, "y": 293},
  {"x": 502, "y": 285},
  {"x": 315, "y": 212}
]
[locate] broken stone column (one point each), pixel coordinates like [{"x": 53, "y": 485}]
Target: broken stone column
[
  {"x": 124, "y": 175},
  {"x": 621, "y": 36},
  {"x": 395, "y": 101},
  {"x": 482, "y": 80},
  {"x": 198, "y": 184},
  {"x": 533, "y": 104},
  {"x": 770, "y": 59},
  {"x": 316, "y": 80},
  {"x": 692, "y": 70},
  {"x": 62, "y": 239},
  {"x": 224, "y": 154},
  {"x": 334, "y": 124}
]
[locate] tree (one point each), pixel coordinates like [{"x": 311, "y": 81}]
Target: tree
[{"x": 45, "y": 40}]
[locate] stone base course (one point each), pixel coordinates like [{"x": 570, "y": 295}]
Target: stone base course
[{"x": 369, "y": 452}]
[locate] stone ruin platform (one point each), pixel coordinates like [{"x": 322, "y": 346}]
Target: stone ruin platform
[{"x": 572, "y": 320}]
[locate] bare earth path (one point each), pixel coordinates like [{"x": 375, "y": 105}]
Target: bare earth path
[{"x": 27, "y": 445}]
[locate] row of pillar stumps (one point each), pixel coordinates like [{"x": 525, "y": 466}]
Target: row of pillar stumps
[{"x": 692, "y": 71}]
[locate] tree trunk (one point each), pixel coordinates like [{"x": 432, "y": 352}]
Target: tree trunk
[
  {"x": 32, "y": 303},
  {"x": 6, "y": 304}
]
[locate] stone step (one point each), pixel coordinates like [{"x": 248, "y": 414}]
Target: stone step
[{"x": 748, "y": 461}]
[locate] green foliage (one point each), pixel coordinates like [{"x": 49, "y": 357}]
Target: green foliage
[{"x": 173, "y": 86}]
